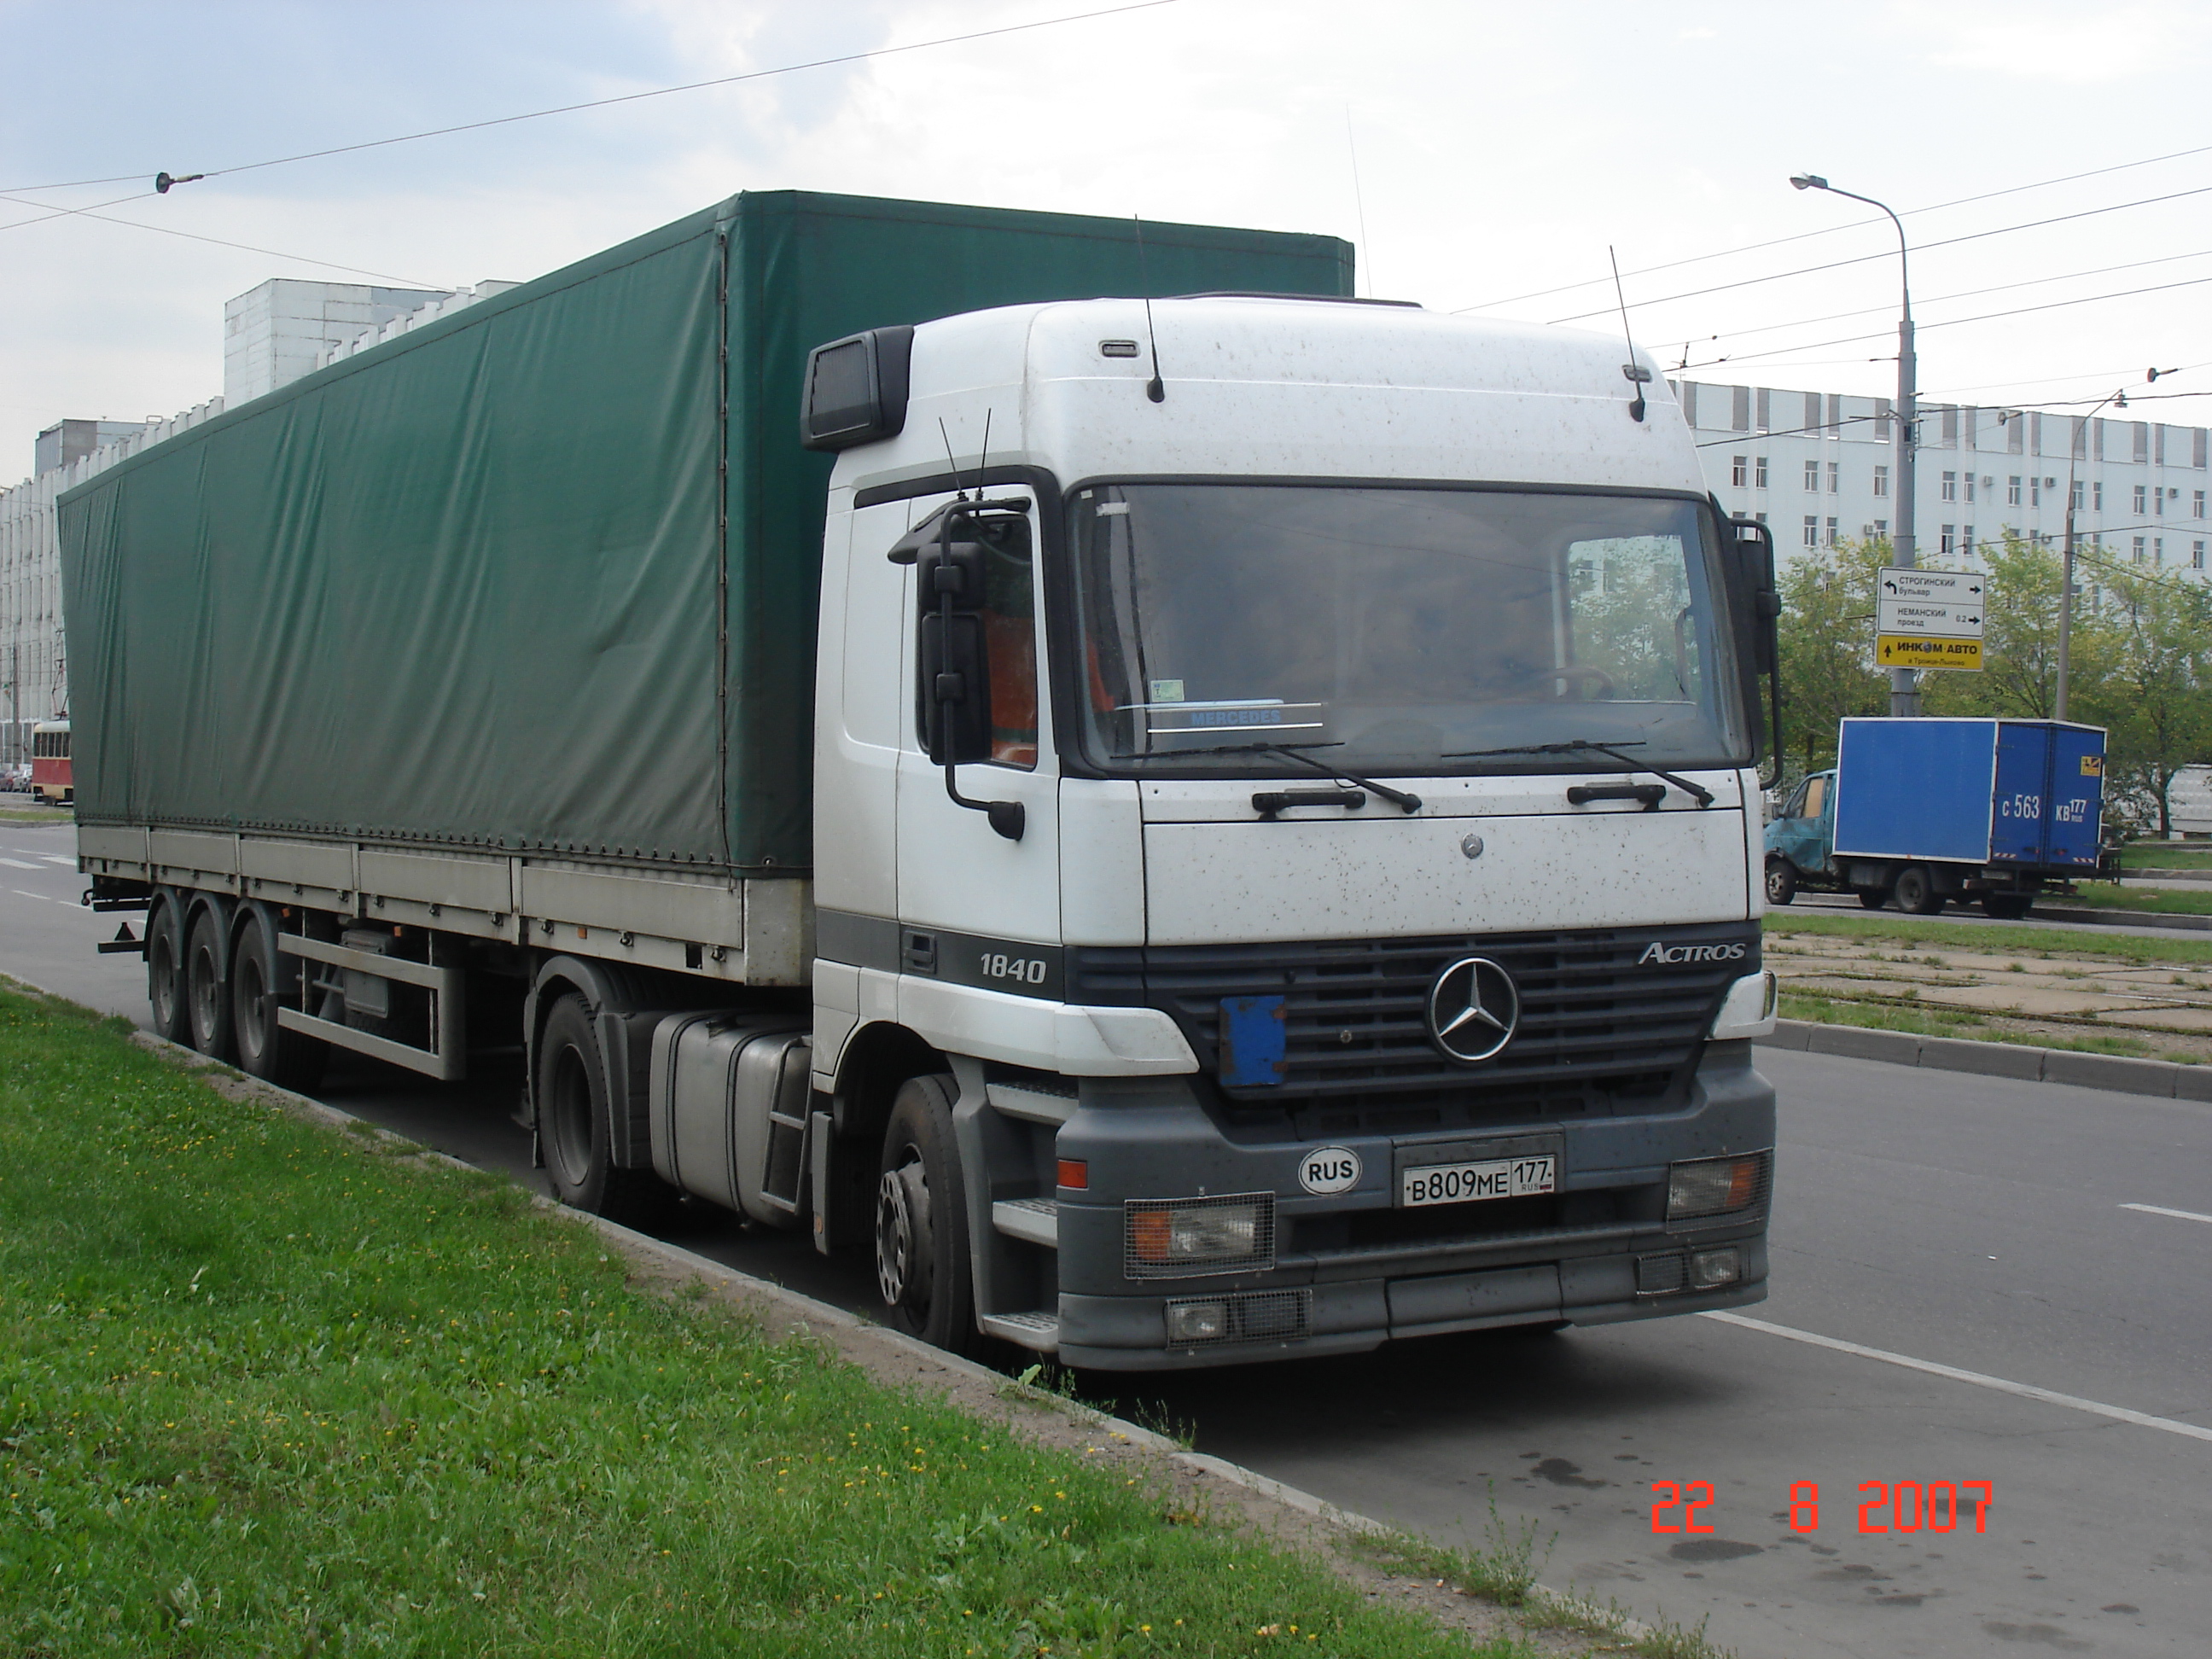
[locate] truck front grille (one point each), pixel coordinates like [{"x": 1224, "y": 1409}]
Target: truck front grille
[{"x": 1598, "y": 1009}]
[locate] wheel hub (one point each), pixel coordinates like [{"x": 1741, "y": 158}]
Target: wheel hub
[{"x": 901, "y": 1236}]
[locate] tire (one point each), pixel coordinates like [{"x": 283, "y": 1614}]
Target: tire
[
  {"x": 1781, "y": 881},
  {"x": 165, "y": 974},
  {"x": 2006, "y": 907},
  {"x": 261, "y": 982},
  {"x": 207, "y": 995},
  {"x": 575, "y": 1130},
  {"x": 923, "y": 1273},
  {"x": 1873, "y": 898},
  {"x": 1916, "y": 891}
]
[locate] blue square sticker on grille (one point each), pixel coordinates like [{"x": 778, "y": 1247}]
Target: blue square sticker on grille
[{"x": 1254, "y": 1040}]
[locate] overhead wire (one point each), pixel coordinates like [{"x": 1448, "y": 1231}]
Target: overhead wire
[
  {"x": 635, "y": 97},
  {"x": 1836, "y": 229},
  {"x": 245, "y": 247}
]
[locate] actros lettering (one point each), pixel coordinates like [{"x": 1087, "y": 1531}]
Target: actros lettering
[{"x": 1671, "y": 954}]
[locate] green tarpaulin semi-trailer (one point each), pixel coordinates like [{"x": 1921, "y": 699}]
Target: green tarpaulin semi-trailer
[{"x": 541, "y": 575}]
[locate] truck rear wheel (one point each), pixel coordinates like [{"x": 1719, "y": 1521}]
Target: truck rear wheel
[
  {"x": 165, "y": 974},
  {"x": 1916, "y": 891},
  {"x": 922, "y": 1267},
  {"x": 207, "y": 999},
  {"x": 1781, "y": 881},
  {"x": 290, "y": 1059},
  {"x": 575, "y": 1129}
]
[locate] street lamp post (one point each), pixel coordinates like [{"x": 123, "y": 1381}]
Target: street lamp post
[{"x": 1904, "y": 695}]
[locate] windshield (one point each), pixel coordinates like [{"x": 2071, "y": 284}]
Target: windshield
[{"x": 1401, "y": 628}]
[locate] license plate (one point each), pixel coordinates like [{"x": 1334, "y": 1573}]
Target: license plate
[{"x": 1463, "y": 1183}]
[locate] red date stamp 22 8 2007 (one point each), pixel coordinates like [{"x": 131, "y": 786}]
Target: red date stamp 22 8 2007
[{"x": 1884, "y": 1505}]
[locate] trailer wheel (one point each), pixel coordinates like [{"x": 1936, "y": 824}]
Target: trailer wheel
[
  {"x": 576, "y": 1131},
  {"x": 922, "y": 1267},
  {"x": 1916, "y": 891},
  {"x": 1873, "y": 898},
  {"x": 165, "y": 974},
  {"x": 290, "y": 1059},
  {"x": 1781, "y": 881},
  {"x": 2006, "y": 907},
  {"x": 207, "y": 1001}
]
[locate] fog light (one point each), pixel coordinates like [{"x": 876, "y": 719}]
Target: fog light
[
  {"x": 1197, "y": 1321},
  {"x": 1710, "y": 1269},
  {"x": 1714, "y": 1186},
  {"x": 1201, "y": 1235}
]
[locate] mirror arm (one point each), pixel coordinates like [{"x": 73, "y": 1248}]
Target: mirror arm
[{"x": 1009, "y": 817}]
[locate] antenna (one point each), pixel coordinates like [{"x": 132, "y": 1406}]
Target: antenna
[
  {"x": 1633, "y": 372},
  {"x": 951, "y": 462},
  {"x": 1359, "y": 202},
  {"x": 1155, "y": 388}
]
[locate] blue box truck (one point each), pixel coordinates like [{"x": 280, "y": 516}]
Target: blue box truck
[{"x": 1936, "y": 811}]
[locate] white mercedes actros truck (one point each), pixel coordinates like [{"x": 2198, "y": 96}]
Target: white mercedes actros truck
[{"x": 1285, "y": 846}]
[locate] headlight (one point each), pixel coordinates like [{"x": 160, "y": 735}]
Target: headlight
[
  {"x": 1168, "y": 1237},
  {"x": 1747, "y": 1009},
  {"x": 1714, "y": 1185}
]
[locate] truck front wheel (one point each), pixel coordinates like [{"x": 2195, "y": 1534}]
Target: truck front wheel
[
  {"x": 922, "y": 1269},
  {"x": 1781, "y": 881},
  {"x": 575, "y": 1130}
]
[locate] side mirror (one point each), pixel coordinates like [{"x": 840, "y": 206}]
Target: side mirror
[{"x": 1755, "y": 604}]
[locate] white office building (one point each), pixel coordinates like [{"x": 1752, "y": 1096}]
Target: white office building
[{"x": 1821, "y": 467}]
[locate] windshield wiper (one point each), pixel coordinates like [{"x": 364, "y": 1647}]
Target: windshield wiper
[
  {"x": 1703, "y": 796},
  {"x": 1291, "y": 751}
]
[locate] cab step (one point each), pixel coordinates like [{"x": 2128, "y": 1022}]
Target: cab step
[
  {"x": 1040, "y": 1331},
  {"x": 1033, "y": 1219}
]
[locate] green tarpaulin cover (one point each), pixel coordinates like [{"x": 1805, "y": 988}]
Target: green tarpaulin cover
[{"x": 541, "y": 575}]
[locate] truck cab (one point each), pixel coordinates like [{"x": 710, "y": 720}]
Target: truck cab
[
  {"x": 1289, "y": 762},
  {"x": 1801, "y": 843}
]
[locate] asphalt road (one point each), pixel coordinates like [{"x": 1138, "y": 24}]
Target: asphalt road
[{"x": 1922, "y": 1220}]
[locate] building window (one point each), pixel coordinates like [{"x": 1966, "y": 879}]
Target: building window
[
  {"x": 1950, "y": 487},
  {"x": 1832, "y": 532},
  {"x": 2139, "y": 550},
  {"x": 2097, "y": 495},
  {"x": 1835, "y": 477},
  {"x": 1812, "y": 477},
  {"x": 1882, "y": 527},
  {"x": 1813, "y": 530},
  {"x": 2158, "y": 550},
  {"x": 2196, "y": 504},
  {"x": 2142, "y": 506},
  {"x": 1760, "y": 517},
  {"x": 1758, "y": 472},
  {"x": 2012, "y": 490},
  {"x": 1740, "y": 470},
  {"x": 1970, "y": 486},
  {"x": 1948, "y": 537},
  {"x": 1966, "y": 541},
  {"x": 2196, "y": 555},
  {"x": 2035, "y": 492},
  {"x": 2077, "y": 491},
  {"x": 2158, "y": 502},
  {"x": 1882, "y": 483}
]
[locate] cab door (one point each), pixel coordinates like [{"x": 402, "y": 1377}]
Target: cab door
[{"x": 964, "y": 887}]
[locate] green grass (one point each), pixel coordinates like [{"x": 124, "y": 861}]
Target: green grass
[
  {"x": 2165, "y": 855},
  {"x": 2179, "y": 902},
  {"x": 269, "y": 1389},
  {"x": 1942, "y": 1022},
  {"x": 35, "y": 815},
  {"x": 1993, "y": 939}
]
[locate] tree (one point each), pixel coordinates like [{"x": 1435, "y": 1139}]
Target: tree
[
  {"x": 2155, "y": 697},
  {"x": 1827, "y": 646}
]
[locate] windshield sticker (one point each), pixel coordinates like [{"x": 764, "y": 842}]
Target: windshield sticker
[{"x": 1166, "y": 690}]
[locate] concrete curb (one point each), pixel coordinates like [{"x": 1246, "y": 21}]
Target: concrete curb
[
  {"x": 2164, "y": 1079},
  {"x": 2173, "y": 919}
]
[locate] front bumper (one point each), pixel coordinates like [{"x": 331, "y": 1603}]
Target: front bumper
[{"x": 1350, "y": 1274}]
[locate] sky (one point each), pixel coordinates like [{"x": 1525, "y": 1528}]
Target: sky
[{"x": 1485, "y": 157}]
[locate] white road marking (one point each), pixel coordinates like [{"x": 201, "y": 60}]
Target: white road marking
[
  {"x": 2178, "y": 1215},
  {"x": 41, "y": 897},
  {"x": 18, "y": 864},
  {"x": 70, "y": 859},
  {"x": 2025, "y": 1390}
]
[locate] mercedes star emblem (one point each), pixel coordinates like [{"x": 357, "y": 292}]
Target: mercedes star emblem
[{"x": 1473, "y": 1009}]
